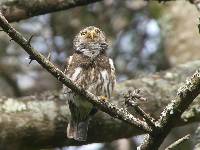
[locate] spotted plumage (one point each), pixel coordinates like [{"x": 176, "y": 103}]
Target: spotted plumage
[{"x": 91, "y": 69}]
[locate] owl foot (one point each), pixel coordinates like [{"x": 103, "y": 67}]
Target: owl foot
[{"x": 103, "y": 98}]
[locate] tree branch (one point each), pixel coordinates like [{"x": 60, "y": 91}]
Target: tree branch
[
  {"x": 40, "y": 121},
  {"x": 177, "y": 143},
  {"x": 185, "y": 96},
  {"x": 105, "y": 106},
  {"x": 16, "y": 10},
  {"x": 196, "y": 139},
  {"x": 131, "y": 99},
  {"x": 189, "y": 92}
]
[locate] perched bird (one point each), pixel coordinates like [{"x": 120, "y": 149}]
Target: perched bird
[{"x": 91, "y": 69}]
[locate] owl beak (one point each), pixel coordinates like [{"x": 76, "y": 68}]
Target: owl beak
[{"x": 92, "y": 35}]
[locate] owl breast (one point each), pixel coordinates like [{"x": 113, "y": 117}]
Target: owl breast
[
  {"x": 95, "y": 80},
  {"x": 97, "y": 77}
]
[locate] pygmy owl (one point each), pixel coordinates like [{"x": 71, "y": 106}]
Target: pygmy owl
[{"x": 91, "y": 69}]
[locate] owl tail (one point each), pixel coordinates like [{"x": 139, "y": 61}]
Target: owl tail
[{"x": 78, "y": 130}]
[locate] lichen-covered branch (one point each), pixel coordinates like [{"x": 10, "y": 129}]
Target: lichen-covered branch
[
  {"x": 187, "y": 95},
  {"x": 177, "y": 143},
  {"x": 196, "y": 139},
  {"x": 131, "y": 99},
  {"x": 16, "y": 10},
  {"x": 40, "y": 121},
  {"x": 105, "y": 106},
  {"x": 173, "y": 111}
]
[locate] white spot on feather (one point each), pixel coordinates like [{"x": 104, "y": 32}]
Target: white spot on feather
[
  {"x": 111, "y": 64},
  {"x": 105, "y": 77},
  {"x": 111, "y": 86},
  {"x": 70, "y": 60},
  {"x": 68, "y": 63},
  {"x": 90, "y": 53},
  {"x": 76, "y": 73}
]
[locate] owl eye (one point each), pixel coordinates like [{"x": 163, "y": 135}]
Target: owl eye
[
  {"x": 97, "y": 31},
  {"x": 83, "y": 33}
]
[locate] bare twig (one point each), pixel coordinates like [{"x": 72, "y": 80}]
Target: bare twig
[
  {"x": 102, "y": 105},
  {"x": 177, "y": 143},
  {"x": 185, "y": 96},
  {"x": 31, "y": 59},
  {"x": 135, "y": 94},
  {"x": 52, "y": 126},
  {"x": 29, "y": 43},
  {"x": 30, "y": 39},
  {"x": 131, "y": 100},
  {"x": 49, "y": 56}
]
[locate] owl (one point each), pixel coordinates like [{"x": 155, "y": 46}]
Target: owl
[{"x": 91, "y": 69}]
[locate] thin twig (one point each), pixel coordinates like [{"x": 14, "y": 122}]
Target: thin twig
[
  {"x": 147, "y": 117},
  {"x": 29, "y": 43},
  {"x": 130, "y": 100},
  {"x": 31, "y": 59},
  {"x": 173, "y": 111},
  {"x": 49, "y": 56},
  {"x": 177, "y": 143},
  {"x": 30, "y": 39}
]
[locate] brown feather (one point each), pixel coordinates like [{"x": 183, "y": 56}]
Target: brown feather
[{"x": 95, "y": 73}]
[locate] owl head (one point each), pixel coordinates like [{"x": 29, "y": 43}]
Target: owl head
[{"x": 90, "y": 41}]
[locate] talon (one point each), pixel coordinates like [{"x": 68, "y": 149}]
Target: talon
[{"x": 104, "y": 98}]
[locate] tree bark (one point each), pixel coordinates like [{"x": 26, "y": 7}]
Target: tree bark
[
  {"x": 40, "y": 121},
  {"x": 16, "y": 10}
]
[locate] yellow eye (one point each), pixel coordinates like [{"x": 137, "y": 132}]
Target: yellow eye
[
  {"x": 83, "y": 33},
  {"x": 97, "y": 31}
]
